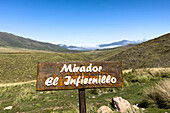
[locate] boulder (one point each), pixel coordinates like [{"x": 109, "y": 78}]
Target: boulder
[
  {"x": 120, "y": 104},
  {"x": 104, "y": 109}
]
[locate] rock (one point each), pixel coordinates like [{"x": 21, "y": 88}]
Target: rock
[
  {"x": 93, "y": 97},
  {"x": 104, "y": 109},
  {"x": 135, "y": 107},
  {"x": 30, "y": 76},
  {"x": 143, "y": 109},
  {"x": 120, "y": 104},
  {"x": 100, "y": 91},
  {"x": 8, "y": 108}
]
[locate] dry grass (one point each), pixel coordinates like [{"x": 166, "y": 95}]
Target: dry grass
[
  {"x": 158, "y": 95},
  {"x": 15, "y": 49},
  {"x": 145, "y": 75},
  {"x": 153, "y": 70},
  {"x": 17, "y": 83}
]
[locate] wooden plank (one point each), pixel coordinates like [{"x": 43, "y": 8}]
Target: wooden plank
[
  {"x": 82, "y": 101},
  {"x": 78, "y": 75}
]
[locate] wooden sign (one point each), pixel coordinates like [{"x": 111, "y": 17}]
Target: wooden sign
[{"x": 78, "y": 75}]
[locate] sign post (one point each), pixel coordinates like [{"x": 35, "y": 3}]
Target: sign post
[
  {"x": 79, "y": 75},
  {"x": 82, "y": 101}
]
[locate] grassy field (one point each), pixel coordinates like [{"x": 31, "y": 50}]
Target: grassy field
[
  {"x": 25, "y": 98},
  {"x": 19, "y": 67},
  {"x": 19, "y": 50},
  {"x": 141, "y": 85}
]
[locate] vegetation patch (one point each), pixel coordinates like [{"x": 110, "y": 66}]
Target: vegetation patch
[{"x": 158, "y": 95}]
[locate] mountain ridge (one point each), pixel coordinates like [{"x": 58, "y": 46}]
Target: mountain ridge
[
  {"x": 101, "y": 46},
  {"x": 122, "y": 43},
  {"x": 11, "y": 40},
  {"x": 152, "y": 53}
]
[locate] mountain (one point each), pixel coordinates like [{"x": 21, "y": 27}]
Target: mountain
[
  {"x": 101, "y": 46},
  {"x": 10, "y": 40},
  {"x": 119, "y": 43},
  {"x": 152, "y": 53},
  {"x": 104, "y": 54}
]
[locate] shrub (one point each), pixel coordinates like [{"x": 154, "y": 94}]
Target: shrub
[
  {"x": 143, "y": 79},
  {"x": 93, "y": 91},
  {"x": 158, "y": 96},
  {"x": 166, "y": 75}
]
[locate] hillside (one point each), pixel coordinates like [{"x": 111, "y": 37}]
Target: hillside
[
  {"x": 103, "y": 54},
  {"x": 152, "y": 53},
  {"x": 22, "y": 66},
  {"x": 18, "y": 72},
  {"x": 10, "y": 40}
]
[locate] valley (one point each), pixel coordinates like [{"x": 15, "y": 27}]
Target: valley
[{"x": 144, "y": 66}]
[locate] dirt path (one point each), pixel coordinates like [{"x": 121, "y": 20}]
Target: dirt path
[
  {"x": 18, "y": 83},
  {"x": 124, "y": 71}
]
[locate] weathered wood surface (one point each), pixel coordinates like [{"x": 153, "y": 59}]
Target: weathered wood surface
[
  {"x": 82, "y": 101},
  {"x": 52, "y": 69}
]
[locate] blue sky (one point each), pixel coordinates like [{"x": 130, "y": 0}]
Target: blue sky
[{"x": 90, "y": 22}]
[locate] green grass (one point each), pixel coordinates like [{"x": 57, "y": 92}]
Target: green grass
[
  {"x": 157, "y": 95},
  {"x": 18, "y": 65},
  {"x": 153, "y": 53},
  {"x": 25, "y": 98},
  {"x": 23, "y": 67},
  {"x": 103, "y": 55}
]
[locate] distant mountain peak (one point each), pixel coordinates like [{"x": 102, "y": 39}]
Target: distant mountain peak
[
  {"x": 101, "y": 46},
  {"x": 120, "y": 43}
]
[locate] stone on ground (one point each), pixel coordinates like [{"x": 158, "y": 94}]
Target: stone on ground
[
  {"x": 104, "y": 109},
  {"x": 8, "y": 108},
  {"x": 120, "y": 104}
]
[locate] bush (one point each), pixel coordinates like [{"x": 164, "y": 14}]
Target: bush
[
  {"x": 143, "y": 79},
  {"x": 93, "y": 91},
  {"x": 157, "y": 96},
  {"x": 166, "y": 75}
]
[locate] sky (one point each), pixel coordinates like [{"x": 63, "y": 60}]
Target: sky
[{"x": 85, "y": 22}]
